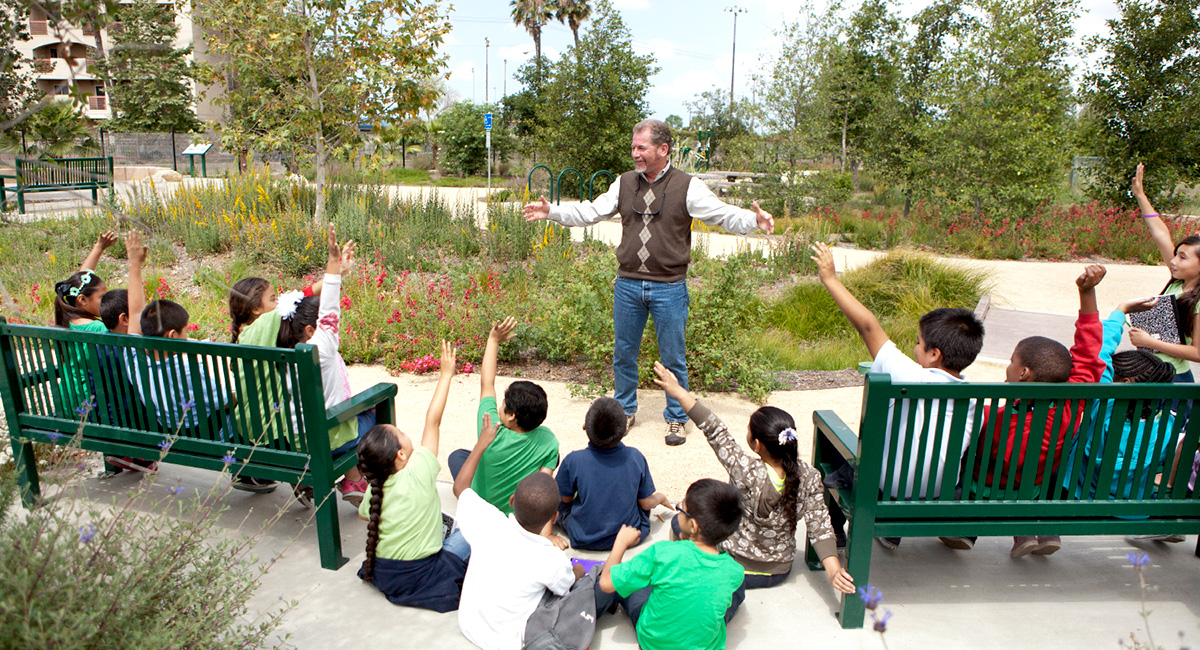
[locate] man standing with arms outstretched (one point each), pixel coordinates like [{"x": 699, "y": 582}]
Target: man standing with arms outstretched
[{"x": 656, "y": 203}]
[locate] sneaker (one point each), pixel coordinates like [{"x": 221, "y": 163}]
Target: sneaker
[
  {"x": 890, "y": 543},
  {"x": 353, "y": 492},
  {"x": 1048, "y": 545},
  {"x": 630, "y": 419},
  {"x": 1022, "y": 546},
  {"x": 1169, "y": 539},
  {"x": 958, "y": 543},
  {"x": 304, "y": 495},
  {"x": 676, "y": 433},
  {"x": 255, "y": 485},
  {"x": 447, "y": 526},
  {"x": 132, "y": 464}
]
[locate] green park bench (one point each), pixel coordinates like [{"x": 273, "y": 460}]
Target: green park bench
[
  {"x": 276, "y": 428},
  {"x": 966, "y": 506},
  {"x": 57, "y": 175}
]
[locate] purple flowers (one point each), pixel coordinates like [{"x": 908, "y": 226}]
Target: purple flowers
[
  {"x": 881, "y": 621},
  {"x": 165, "y": 445},
  {"x": 188, "y": 405},
  {"x": 53, "y": 436},
  {"x": 175, "y": 490},
  {"x": 86, "y": 533},
  {"x": 86, "y": 407},
  {"x": 228, "y": 459},
  {"x": 870, "y": 595},
  {"x": 1138, "y": 559}
]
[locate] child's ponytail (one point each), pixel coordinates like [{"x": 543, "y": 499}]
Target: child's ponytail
[
  {"x": 775, "y": 429},
  {"x": 245, "y": 297},
  {"x": 81, "y": 283},
  {"x": 377, "y": 461}
]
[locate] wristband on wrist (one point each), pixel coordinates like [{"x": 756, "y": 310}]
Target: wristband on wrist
[{"x": 1150, "y": 216}]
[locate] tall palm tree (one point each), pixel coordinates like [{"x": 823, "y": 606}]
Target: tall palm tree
[
  {"x": 532, "y": 15},
  {"x": 572, "y": 13}
]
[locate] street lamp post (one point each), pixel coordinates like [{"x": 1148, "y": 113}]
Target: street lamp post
[
  {"x": 735, "y": 10},
  {"x": 487, "y": 44}
]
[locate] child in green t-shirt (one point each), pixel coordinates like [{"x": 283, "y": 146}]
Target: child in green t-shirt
[
  {"x": 522, "y": 444},
  {"x": 681, "y": 594}
]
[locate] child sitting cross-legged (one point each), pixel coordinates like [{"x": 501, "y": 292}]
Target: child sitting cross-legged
[
  {"x": 1040, "y": 359},
  {"x": 523, "y": 444},
  {"x": 406, "y": 557},
  {"x": 513, "y": 559},
  {"x": 680, "y": 594},
  {"x": 778, "y": 489},
  {"x": 948, "y": 340},
  {"x": 606, "y": 485},
  {"x": 317, "y": 320}
]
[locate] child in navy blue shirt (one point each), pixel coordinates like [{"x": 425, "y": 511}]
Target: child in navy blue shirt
[{"x": 606, "y": 485}]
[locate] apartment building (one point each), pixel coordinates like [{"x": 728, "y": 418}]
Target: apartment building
[{"x": 61, "y": 57}]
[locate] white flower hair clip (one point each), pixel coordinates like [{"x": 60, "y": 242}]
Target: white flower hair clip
[
  {"x": 288, "y": 303},
  {"x": 786, "y": 436}
]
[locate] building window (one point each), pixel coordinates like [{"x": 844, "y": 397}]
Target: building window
[
  {"x": 54, "y": 53},
  {"x": 62, "y": 89}
]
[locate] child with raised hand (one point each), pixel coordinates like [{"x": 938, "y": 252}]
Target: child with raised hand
[
  {"x": 680, "y": 594},
  {"x": 514, "y": 559},
  {"x": 777, "y": 488},
  {"x": 607, "y": 485},
  {"x": 523, "y": 444},
  {"x": 1183, "y": 259},
  {"x": 407, "y": 559},
  {"x": 317, "y": 320},
  {"x": 1013, "y": 442},
  {"x": 253, "y": 297},
  {"x": 77, "y": 299},
  {"x": 948, "y": 340}
]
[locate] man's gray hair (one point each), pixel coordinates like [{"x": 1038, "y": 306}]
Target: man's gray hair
[{"x": 660, "y": 133}]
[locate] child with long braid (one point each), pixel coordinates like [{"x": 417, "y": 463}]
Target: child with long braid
[
  {"x": 778, "y": 489},
  {"x": 406, "y": 557}
]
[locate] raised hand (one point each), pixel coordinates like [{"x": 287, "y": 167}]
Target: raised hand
[
  {"x": 665, "y": 379},
  {"x": 1139, "y": 191},
  {"x": 503, "y": 330},
  {"x": 449, "y": 358},
  {"x": 347, "y": 258},
  {"x": 488, "y": 433},
  {"x": 335, "y": 251},
  {"x": 824, "y": 259},
  {"x": 135, "y": 249},
  {"x": 1091, "y": 276},
  {"x": 766, "y": 222},
  {"x": 106, "y": 239},
  {"x": 537, "y": 210}
]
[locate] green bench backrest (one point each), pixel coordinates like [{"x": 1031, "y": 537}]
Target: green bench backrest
[
  {"x": 33, "y": 172},
  {"x": 1079, "y": 465},
  {"x": 51, "y": 373}
]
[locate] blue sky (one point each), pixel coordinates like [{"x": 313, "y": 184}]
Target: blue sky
[{"x": 691, "y": 41}]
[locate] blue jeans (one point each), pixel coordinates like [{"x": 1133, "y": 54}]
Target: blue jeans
[
  {"x": 457, "y": 544},
  {"x": 366, "y": 420},
  {"x": 633, "y": 301}
]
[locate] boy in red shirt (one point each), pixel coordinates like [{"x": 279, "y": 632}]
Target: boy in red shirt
[{"x": 1038, "y": 358}]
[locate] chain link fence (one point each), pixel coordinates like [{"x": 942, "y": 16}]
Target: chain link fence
[{"x": 166, "y": 150}]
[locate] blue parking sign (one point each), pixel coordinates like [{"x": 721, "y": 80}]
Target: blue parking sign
[{"x": 487, "y": 121}]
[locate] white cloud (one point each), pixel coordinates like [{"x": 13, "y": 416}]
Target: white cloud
[
  {"x": 661, "y": 48},
  {"x": 685, "y": 87}
]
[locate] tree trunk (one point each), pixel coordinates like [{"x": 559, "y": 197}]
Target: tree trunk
[
  {"x": 845, "y": 126},
  {"x": 314, "y": 89},
  {"x": 854, "y": 172}
]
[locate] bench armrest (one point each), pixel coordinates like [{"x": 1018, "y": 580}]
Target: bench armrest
[
  {"x": 363, "y": 401},
  {"x": 842, "y": 437}
]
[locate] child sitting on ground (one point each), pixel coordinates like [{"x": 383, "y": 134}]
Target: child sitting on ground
[
  {"x": 948, "y": 340},
  {"x": 523, "y": 444},
  {"x": 164, "y": 380},
  {"x": 513, "y": 560},
  {"x": 317, "y": 320},
  {"x": 778, "y": 488},
  {"x": 1040, "y": 359},
  {"x": 680, "y": 594},
  {"x": 407, "y": 559},
  {"x": 606, "y": 485}
]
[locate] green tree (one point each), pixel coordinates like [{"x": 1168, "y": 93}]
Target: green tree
[
  {"x": 57, "y": 130},
  {"x": 674, "y": 121},
  {"x": 305, "y": 75},
  {"x": 1142, "y": 104},
  {"x": 464, "y": 148},
  {"x": 710, "y": 112},
  {"x": 147, "y": 77},
  {"x": 18, "y": 89},
  {"x": 591, "y": 101}
]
